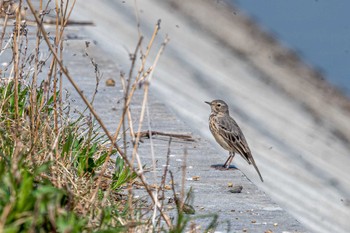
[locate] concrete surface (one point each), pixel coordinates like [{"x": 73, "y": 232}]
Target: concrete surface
[{"x": 295, "y": 123}]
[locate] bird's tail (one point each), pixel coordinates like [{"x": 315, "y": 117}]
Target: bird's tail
[{"x": 257, "y": 169}]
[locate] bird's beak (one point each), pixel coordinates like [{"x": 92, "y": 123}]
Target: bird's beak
[{"x": 207, "y": 102}]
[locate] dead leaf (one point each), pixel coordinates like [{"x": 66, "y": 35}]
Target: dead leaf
[
  {"x": 110, "y": 82},
  {"x": 195, "y": 178}
]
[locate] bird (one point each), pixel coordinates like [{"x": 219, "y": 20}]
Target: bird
[{"x": 228, "y": 134}]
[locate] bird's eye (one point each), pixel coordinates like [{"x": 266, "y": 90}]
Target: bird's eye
[{"x": 219, "y": 105}]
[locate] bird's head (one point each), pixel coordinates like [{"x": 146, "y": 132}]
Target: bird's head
[{"x": 218, "y": 106}]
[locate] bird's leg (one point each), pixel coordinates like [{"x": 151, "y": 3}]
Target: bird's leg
[
  {"x": 229, "y": 160},
  {"x": 226, "y": 166}
]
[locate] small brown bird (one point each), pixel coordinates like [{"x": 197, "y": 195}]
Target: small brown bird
[{"x": 228, "y": 134}]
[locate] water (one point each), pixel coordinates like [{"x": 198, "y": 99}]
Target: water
[{"x": 318, "y": 30}]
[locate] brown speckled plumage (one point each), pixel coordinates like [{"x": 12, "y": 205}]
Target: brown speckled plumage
[{"x": 228, "y": 134}]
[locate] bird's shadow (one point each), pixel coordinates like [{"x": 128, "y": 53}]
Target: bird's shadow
[{"x": 222, "y": 168}]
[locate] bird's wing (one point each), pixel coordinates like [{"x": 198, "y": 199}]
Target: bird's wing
[
  {"x": 230, "y": 131},
  {"x": 232, "y": 134}
]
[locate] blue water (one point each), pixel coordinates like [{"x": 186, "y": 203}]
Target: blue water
[{"x": 318, "y": 30}]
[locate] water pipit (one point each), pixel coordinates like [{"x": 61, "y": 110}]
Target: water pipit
[{"x": 228, "y": 134}]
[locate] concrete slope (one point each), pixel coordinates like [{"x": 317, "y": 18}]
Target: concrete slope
[
  {"x": 250, "y": 210},
  {"x": 296, "y": 124}
]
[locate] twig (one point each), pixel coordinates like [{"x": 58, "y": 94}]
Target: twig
[
  {"x": 162, "y": 183},
  {"x": 145, "y": 96},
  {"x": 184, "y": 165},
  {"x": 148, "y": 134},
  {"x": 67, "y": 22},
  {"x": 4, "y": 29}
]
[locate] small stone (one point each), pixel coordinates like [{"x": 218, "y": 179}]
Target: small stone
[
  {"x": 167, "y": 187},
  {"x": 268, "y": 231},
  {"x": 253, "y": 221},
  {"x": 275, "y": 224},
  {"x": 230, "y": 185},
  {"x": 236, "y": 189}
]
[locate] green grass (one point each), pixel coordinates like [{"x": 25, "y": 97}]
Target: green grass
[{"x": 30, "y": 173}]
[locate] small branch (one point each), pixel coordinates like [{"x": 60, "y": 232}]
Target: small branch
[{"x": 148, "y": 134}]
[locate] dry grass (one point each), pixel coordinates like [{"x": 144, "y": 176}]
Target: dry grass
[{"x": 55, "y": 172}]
